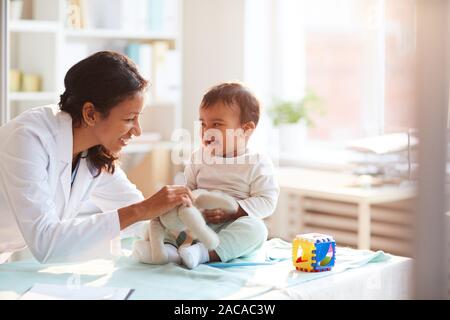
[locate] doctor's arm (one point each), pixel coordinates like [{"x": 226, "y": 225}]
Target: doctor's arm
[
  {"x": 161, "y": 202},
  {"x": 24, "y": 165},
  {"x": 115, "y": 191}
]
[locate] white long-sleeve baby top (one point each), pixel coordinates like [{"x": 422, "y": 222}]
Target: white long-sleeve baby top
[{"x": 249, "y": 178}]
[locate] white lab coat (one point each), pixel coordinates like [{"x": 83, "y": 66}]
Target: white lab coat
[{"x": 38, "y": 206}]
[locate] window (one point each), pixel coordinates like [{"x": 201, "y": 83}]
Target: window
[{"x": 357, "y": 56}]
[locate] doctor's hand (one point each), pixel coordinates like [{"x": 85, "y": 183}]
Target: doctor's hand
[
  {"x": 166, "y": 199},
  {"x": 161, "y": 202}
]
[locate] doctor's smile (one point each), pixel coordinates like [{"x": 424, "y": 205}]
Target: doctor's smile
[{"x": 115, "y": 130}]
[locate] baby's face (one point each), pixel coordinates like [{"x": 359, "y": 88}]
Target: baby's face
[{"x": 222, "y": 131}]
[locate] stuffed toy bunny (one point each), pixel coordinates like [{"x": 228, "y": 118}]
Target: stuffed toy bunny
[{"x": 183, "y": 218}]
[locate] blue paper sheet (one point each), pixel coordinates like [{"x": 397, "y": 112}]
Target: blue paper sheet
[{"x": 269, "y": 268}]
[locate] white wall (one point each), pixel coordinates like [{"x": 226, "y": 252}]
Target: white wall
[{"x": 213, "y": 49}]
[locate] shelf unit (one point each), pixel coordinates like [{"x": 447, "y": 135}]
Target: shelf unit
[
  {"x": 33, "y": 26},
  {"x": 42, "y": 43},
  {"x": 379, "y": 218},
  {"x": 119, "y": 34},
  {"x": 32, "y": 96}
]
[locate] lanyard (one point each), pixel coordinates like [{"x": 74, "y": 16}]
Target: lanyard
[{"x": 75, "y": 170}]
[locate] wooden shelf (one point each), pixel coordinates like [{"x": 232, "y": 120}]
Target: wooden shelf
[
  {"x": 35, "y": 26},
  {"x": 43, "y": 43},
  {"x": 32, "y": 96},
  {"x": 119, "y": 34}
]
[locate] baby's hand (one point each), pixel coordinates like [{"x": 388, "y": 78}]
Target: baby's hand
[{"x": 218, "y": 216}]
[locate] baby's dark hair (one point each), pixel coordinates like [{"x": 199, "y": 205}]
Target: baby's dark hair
[{"x": 230, "y": 93}]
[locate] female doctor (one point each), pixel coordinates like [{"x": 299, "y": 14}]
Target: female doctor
[{"x": 51, "y": 161}]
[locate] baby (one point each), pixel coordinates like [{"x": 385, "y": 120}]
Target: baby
[{"x": 229, "y": 114}]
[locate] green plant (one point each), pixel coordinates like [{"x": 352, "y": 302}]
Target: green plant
[{"x": 293, "y": 111}]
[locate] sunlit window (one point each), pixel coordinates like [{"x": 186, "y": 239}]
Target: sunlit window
[{"x": 357, "y": 57}]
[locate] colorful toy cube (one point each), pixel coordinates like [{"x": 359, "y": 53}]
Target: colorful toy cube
[{"x": 313, "y": 252}]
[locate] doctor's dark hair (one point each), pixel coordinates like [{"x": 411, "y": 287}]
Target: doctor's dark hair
[{"x": 105, "y": 79}]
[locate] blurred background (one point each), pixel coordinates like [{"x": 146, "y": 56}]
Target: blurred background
[{"x": 350, "y": 90}]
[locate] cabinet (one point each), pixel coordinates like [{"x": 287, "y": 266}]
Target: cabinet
[
  {"x": 378, "y": 218},
  {"x": 46, "y": 37}
]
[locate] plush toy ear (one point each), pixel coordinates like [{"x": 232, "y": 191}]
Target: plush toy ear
[
  {"x": 216, "y": 200},
  {"x": 198, "y": 192},
  {"x": 142, "y": 231},
  {"x": 171, "y": 221},
  {"x": 194, "y": 221}
]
